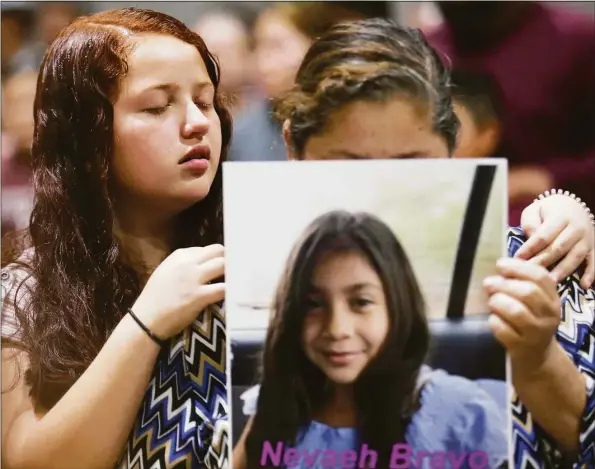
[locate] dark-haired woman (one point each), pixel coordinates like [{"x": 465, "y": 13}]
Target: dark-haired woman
[{"x": 113, "y": 345}]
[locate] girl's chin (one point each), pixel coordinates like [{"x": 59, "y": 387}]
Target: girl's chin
[
  {"x": 191, "y": 196},
  {"x": 342, "y": 377}
]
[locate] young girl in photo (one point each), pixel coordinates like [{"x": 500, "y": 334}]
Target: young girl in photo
[
  {"x": 343, "y": 364},
  {"x": 370, "y": 89},
  {"x": 113, "y": 343}
]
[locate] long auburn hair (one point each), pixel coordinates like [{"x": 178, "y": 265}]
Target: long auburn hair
[
  {"x": 293, "y": 388},
  {"x": 82, "y": 284}
]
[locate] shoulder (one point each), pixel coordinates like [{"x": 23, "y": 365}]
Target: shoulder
[
  {"x": 469, "y": 412},
  {"x": 457, "y": 415},
  {"x": 461, "y": 394}
]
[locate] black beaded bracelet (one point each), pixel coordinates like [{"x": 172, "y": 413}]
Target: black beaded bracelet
[{"x": 156, "y": 339}]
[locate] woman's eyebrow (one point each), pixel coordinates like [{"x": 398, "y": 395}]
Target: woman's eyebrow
[{"x": 171, "y": 86}]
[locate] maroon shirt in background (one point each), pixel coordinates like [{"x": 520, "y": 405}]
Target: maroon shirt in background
[{"x": 546, "y": 71}]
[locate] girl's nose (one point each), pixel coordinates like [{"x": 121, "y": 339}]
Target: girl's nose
[
  {"x": 197, "y": 124},
  {"x": 339, "y": 324}
]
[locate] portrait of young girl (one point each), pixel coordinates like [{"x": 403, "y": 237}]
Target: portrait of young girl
[{"x": 343, "y": 374}]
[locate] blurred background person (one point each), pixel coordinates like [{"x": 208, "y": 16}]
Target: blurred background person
[
  {"x": 283, "y": 33},
  {"x": 27, "y": 30},
  {"x": 476, "y": 100},
  {"x": 422, "y": 15},
  {"x": 16, "y": 25},
  {"x": 227, "y": 36},
  {"x": 17, "y": 135},
  {"x": 542, "y": 59},
  {"x": 49, "y": 19}
]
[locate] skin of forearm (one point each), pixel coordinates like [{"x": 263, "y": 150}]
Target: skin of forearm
[
  {"x": 556, "y": 396},
  {"x": 90, "y": 425}
]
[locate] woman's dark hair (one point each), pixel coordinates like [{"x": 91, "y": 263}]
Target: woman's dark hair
[
  {"x": 83, "y": 284},
  {"x": 370, "y": 59},
  {"x": 292, "y": 387}
]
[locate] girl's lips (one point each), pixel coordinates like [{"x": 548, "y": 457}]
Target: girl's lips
[
  {"x": 197, "y": 152},
  {"x": 340, "y": 358},
  {"x": 198, "y": 166}
]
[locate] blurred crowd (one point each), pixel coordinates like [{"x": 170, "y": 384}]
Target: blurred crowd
[{"x": 523, "y": 80}]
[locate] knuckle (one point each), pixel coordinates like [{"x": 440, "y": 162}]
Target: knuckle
[
  {"x": 554, "y": 308},
  {"x": 528, "y": 293},
  {"x": 560, "y": 249},
  {"x": 582, "y": 252},
  {"x": 531, "y": 320},
  {"x": 517, "y": 311},
  {"x": 541, "y": 240},
  {"x": 181, "y": 253},
  {"x": 494, "y": 301},
  {"x": 550, "y": 284},
  {"x": 542, "y": 275}
]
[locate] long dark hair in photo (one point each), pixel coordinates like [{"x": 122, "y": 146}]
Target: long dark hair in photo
[
  {"x": 292, "y": 388},
  {"x": 83, "y": 283}
]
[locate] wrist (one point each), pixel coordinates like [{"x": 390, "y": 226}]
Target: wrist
[
  {"x": 533, "y": 365},
  {"x": 135, "y": 335},
  {"x": 158, "y": 340},
  {"x": 150, "y": 320}
]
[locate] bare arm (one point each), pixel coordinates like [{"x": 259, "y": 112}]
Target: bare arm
[
  {"x": 238, "y": 457},
  {"x": 89, "y": 426},
  {"x": 525, "y": 303},
  {"x": 558, "y": 385}
]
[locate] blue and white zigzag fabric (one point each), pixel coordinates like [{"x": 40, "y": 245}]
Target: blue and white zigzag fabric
[
  {"x": 533, "y": 449},
  {"x": 183, "y": 421}
]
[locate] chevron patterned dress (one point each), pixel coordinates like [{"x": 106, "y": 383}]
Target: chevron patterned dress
[
  {"x": 533, "y": 449},
  {"x": 182, "y": 423},
  {"x": 183, "y": 420}
]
